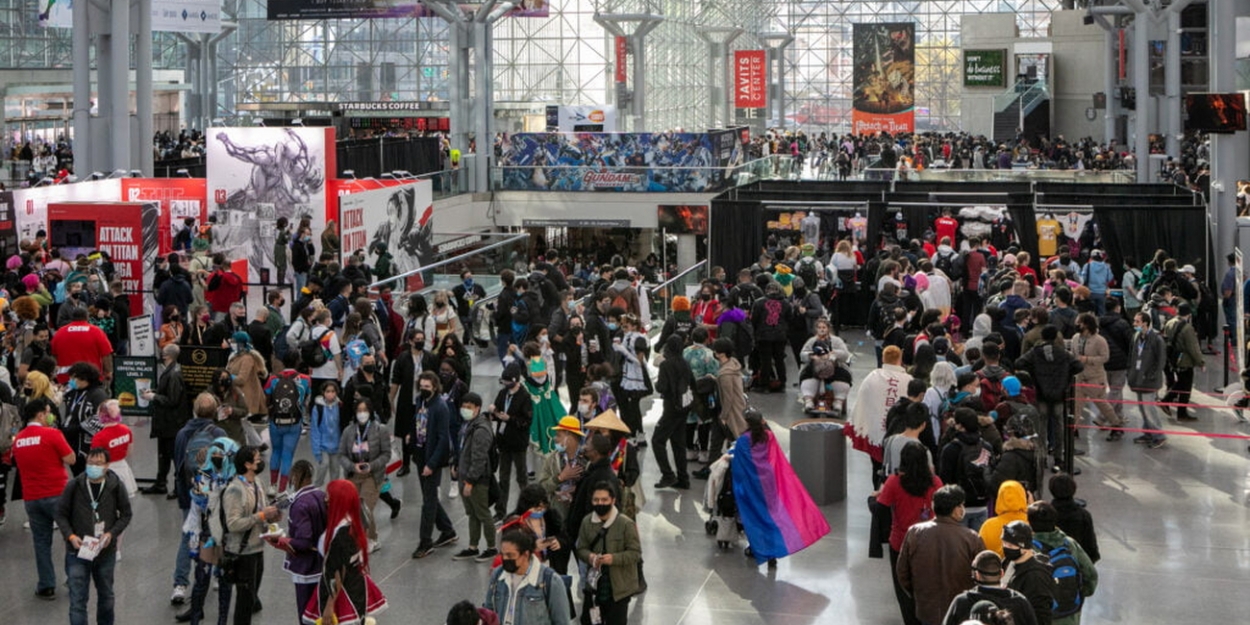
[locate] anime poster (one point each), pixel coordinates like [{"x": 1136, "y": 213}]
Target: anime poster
[
  {"x": 682, "y": 219},
  {"x": 179, "y": 199},
  {"x": 31, "y": 205},
  {"x": 258, "y": 175},
  {"x": 397, "y": 221},
  {"x": 648, "y": 162},
  {"x": 125, "y": 230},
  {"x": 884, "y": 76}
]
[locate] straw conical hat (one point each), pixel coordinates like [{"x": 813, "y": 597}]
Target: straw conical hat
[{"x": 608, "y": 421}]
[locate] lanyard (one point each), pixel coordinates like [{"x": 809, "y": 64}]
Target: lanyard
[
  {"x": 95, "y": 500},
  {"x": 507, "y": 402}
]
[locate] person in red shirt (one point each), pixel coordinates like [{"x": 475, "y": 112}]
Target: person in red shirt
[
  {"x": 225, "y": 287},
  {"x": 79, "y": 341},
  {"x": 946, "y": 226},
  {"x": 116, "y": 437},
  {"x": 42, "y": 456}
]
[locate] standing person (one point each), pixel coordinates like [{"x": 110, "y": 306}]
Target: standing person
[
  {"x": 635, "y": 381},
  {"x": 467, "y": 293},
  {"x": 1072, "y": 517},
  {"x": 608, "y": 544},
  {"x": 41, "y": 455},
  {"x": 476, "y": 476},
  {"x": 1076, "y": 578},
  {"x": 1053, "y": 369},
  {"x": 1147, "y": 357},
  {"x": 540, "y": 385},
  {"x": 511, "y": 413},
  {"x": 170, "y": 407},
  {"x": 1096, "y": 275},
  {"x": 331, "y": 348},
  {"x": 80, "y": 408},
  {"x": 79, "y": 341},
  {"x": 432, "y": 447},
  {"x": 404, "y": 393},
  {"x": 1093, "y": 352},
  {"x": 116, "y": 437},
  {"x": 262, "y": 337},
  {"x": 1010, "y": 506},
  {"x": 246, "y": 514},
  {"x": 936, "y": 555},
  {"x": 525, "y": 588},
  {"x": 987, "y": 571},
  {"x": 1184, "y": 355},
  {"x": 770, "y": 317},
  {"x": 364, "y": 451},
  {"x": 966, "y": 461},
  {"x": 1119, "y": 336},
  {"x": 731, "y": 422},
  {"x": 306, "y": 524},
  {"x": 288, "y": 393},
  {"x": 909, "y": 495},
  {"x": 187, "y": 468},
  {"x": 325, "y": 430},
  {"x": 96, "y": 506},
  {"x": 249, "y": 371},
  {"x": 1027, "y": 574},
  {"x": 212, "y": 473},
  {"x": 597, "y": 452},
  {"x": 369, "y": 382},
  {"x": 881, "y": 389},
  {"x": 674, "y": 384},
  {"x": 346, "y": 592},
  {"x": 559, "y": 478}
]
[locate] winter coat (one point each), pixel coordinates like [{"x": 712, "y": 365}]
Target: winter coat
[
  {"x": 1147, "y": 355},
  {"x": 1010, "y": 506},
  {"x": 1089, "y": 574},
  {"x": 378, "y": 437},
  {"x": 934, "y": 562},
  {"x": 1076, "y": 521},
  {"x": 176, "y": 292},
  {"x": 1052, "y": 368},
  {"x": 1096, "y": 352},
  {"x": 75, "y": 514},
  {"x": 1180, "y": 334},
  {"x": 171, "y": 405},
  {"x": 1035, "y": 581},
  {"x": 1004, "y": 598},
  {"x": 325, "y": 428},
  {"x": 240, "y": 502},
  {"x": 733, "y": 400},
  {"x": 621, "y": 540},
  {"x": 1119, "y": 335},
  {"x": 513, "y": 435},
  {"x": 1018, "y": 463},
  {"x": 306, "y": 524},
  {"x": 249, "y": 371},
  {"x": 475, "y": 452},
  {"x": 771, "y": 308}
]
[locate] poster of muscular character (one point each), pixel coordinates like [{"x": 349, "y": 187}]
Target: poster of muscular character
[{"x": 257, "y": 175}]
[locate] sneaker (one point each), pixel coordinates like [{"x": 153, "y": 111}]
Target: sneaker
[
  {"x": 154, "y": 489},
  {"x": 180, "y": 595},
  {"x": 1187, "y": 417},
  {"x": 703, "y": 456},
  {"x": 665, "y": 482},
  {"x": 445, "y": 539},
  {"x": 396, "y": 507},
  {"x": 680, "y": 485},
  {"x": 422, "y": 551},
  {"x": 466, "y": 554},
  {"x": 272, "y": 491},
  {"x": 808, "y": 404},
  {"x": 47, "y": 594},
  {"x": 487, "y": 556},
  {"x": 1158, "y": 442},
  {"x": 1115, "y": 436},
  {"x": 374, "y": 545},
  {"x": 1144, "y": 439},
  {"x": 454, "y": 491}
]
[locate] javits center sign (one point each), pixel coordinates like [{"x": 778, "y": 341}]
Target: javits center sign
[{"x": 985, "y": 68}]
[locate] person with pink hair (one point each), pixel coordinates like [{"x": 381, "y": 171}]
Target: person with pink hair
[{"x": 116, "y": 437}]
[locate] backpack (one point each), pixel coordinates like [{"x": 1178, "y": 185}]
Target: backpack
[
  {"x": 1068, "y": 579},
  {"x": 884, "y": 321},
  {"x": 945, "y": 262},
  {"x": 280, "y": 345},
  {"x": 974, "y": 466},
  {"x": 806, "y": 269},
  {"x": 1174, "y": 351},
  {"x": 619, "y": 301},
  {"x": 196, "y": 446},
  {"x": 519, "y": 330},
  {"x": 992, "y": 391},
  {"x": 742, "y": 335},
  {"x": 284, "y": 402},
  {"x": 10, "y": 423},
  {"x": 312, "y": 352}
]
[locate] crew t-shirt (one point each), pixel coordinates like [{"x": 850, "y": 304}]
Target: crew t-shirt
[
  {"x": 116, "y": 439},
  {"x": 37, "y": 452},
  {"x": 79, "y": 342}
]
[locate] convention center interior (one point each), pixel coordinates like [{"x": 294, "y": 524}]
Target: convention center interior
[{"x": 608, "y": 312}]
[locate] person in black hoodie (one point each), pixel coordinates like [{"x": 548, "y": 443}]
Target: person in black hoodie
[
  {"x": 511, "y": 413},
  {"x": 954, "y": 466},
  {"x": 1074, "y": 519},
  {"x": 771, "y": 317},
  {"x": 176, "y": 291},
  {"x": 674, "y": 386},
  {"x": 1026, "y": 574},
  {"x": 1052, "y": 369},
  {"x": 1119, "y": 335},
  {"x": 987, "y": 570}
]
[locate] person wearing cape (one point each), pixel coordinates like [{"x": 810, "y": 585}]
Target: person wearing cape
[
  {"x": 777, "y": 514},
  {"x": 547, "y": 407}
]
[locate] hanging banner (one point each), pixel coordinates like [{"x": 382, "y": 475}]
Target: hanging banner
[
  {"x": 397, "y": 221},
  {"x": 125, "y": 230},
  {"x": 884, "y": 78},
  {"x": 622, "y": 59},
  {"x": 170, "y": 16},
  {"x": 577, "y": 118},
  {"x": 985, "y": 68},
  {"x": 651, "y": 162},
  {"x": 750, "y": 79},
  {"x": 179, "y": 199},
  {"x": 258, "y": 175}
]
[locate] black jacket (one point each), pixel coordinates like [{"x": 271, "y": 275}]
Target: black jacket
[
  {"x": 1036, "y": 582},
  {"x": 302, "y": 255},
  {"x": 1076, "y": 522},
  {"x": 74, "y": 514},
  {"x": 1004, "y": 598},
  {"x": 599, "y": 471},
  {"x": 1119, "y": 336},
  {"x": 379, "y": 395},
  {"x": 760, "y": 316},
  {"x": 171, "y": 406},
  {"x": 513, "y": 435},
  {"x": 176, "y": 292},
  {"x": 1052, "y": 368},
  {"x": 404, "y": 373},
  {"x": 262, "y": 340},
  {"x": 675, "y": 378}
]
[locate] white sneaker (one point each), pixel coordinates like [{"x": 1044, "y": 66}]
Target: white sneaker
[
  {"x": 374, "y": 545},
  {"x": 180, "y": 595},
  {"x": 808, "y": 404},
  {"x": 454, "y": 491}
]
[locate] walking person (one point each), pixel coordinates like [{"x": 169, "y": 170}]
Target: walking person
[
  {"x": 1093, "y": 352},
  {"x": 608, "y": 544},
  {"x": 524, "y": 587},
  {"x": 246, "y": 514},
  {"x": 116, "y": 437},
  {"x": 431, "y": 442},
  {"x": 41, "y": 455},
  {"x": 477, "y": 477},
  {"x": 92, "y": 512},
  {"x": 212, "y": 474},
  {"x": 364, "y": 451},
  {"x": 1147, "y": 357},
  {"x": 674, "y": 385},
  {"x": 511, "y": 413},
  {"x": 170, "y": 407},
  {"x": 287, "y": 405},
  {"x": 306, "y": 524},
  {"x": 325, "y": 430},
  {"x": 1184, "y": 355}
]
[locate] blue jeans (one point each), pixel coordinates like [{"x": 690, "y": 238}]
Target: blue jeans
[
  {"x": 301, "y": 280},
  {"x": 502, "y": 340},
  {"x": 1149, "y": 414},
  {"x": 974, "y": 520},
  {"x": 1100, "y": 302},
  {"x": 41, "y": 512},
  {"x": 284, "y": 439},
  {"x": 81, "y": 574},
  {"x": 182, "y": 566}
]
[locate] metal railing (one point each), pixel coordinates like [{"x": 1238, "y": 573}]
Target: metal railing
[
  {"x": 1028, "y": 93},
  {"x": 427, "y": 270},
  {"x": 659, "y": 295}
]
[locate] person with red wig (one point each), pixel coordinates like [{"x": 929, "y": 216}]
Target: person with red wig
[{"x": 346, "y": 594}]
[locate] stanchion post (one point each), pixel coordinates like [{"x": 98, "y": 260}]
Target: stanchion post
[{"x": 1068, "y": 420}]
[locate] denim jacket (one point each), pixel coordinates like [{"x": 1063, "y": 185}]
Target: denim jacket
[{"x": 541, "y": 596}]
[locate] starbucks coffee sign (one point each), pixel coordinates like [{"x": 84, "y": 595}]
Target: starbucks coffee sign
[{"x": 985, "y": 68}]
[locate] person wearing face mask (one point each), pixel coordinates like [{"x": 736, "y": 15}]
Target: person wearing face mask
[
  {"x": 364, "y": 450},
  {"x": 1027, "y": 574},
  {"x": 245, "y": 515},
  {"x": 327, "y": 421},
  {"x": 511, "y": 412},
  {"x": 524, "y": 590},
  {"x": 288, "y": 396},
  {"x": 987, "y": 573},
  {"x": 203, "y": 425},
  {"x": 80, "y": 407},
  {"x": 302, "y": 253},
  {"x": 346, "y": 593},
  {"x": 250, "y": 372},
  {"x": 212, "y": 475},
  {"x": 173, "y": 329},
  {"x": 575, "y": 354},
  {"x": 547, "y": 409},
  {"x": 431, "y": 450},
  {"x": 933, "y": 563},
  {"x": 597, "y": 449},
  {"x": 369, "y": 383},
  {"x": 116, "y": 437},
  {"x": 228, "y": 323},
  {"x": 232, "y": 409},
  {"x": 559, "y": 477},
  {"x": 404, "y": 391},
  {"x": 305, "y": 298},
  {"x": 41, "y": 454},
  {"x": 170, "y": 406},
  {"x": 467, "y": 293},
  {"x": 446, "y": 321},
  {"x": 608, "y": 544},
  {"x": 94, "y": 507},
  {"x": 198, "y": 328},
  {"x": 477, "y": 449}
]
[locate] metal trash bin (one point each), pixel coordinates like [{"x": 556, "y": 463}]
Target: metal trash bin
[{"x": 818, "y": 455}]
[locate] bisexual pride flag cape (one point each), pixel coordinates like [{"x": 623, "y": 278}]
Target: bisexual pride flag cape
[{"x": 778, "y": 515}]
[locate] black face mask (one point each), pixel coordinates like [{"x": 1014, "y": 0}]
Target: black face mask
[
  {"x": 370, "y": 368},
  {"x": 602, "y": 509},
  {"x": 418, "y": 345},
  {"x": 1011, "y": 555},
  {"x": 510, "y": 566},
  {"x": 426, "y": 394},
  {"x": 260, "y": 467},
  {"x": 28, "y": 392},
  {"x": 705, "y": 296}
]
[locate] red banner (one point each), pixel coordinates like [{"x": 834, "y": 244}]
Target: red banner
[
  {"x": 113, "y": 227},
  {"x": 750, "y": 79},
  {"x": 622, "y": 53},
  {"x": 179, "y": 198}
]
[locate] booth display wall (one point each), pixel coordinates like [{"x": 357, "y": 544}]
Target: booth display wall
[
  {"x": 31, "y": 205},
  {"x": 8, "y": 225},
  {"x": 126, "y": 230},
  {"x": 257, "y": 175},
  {"x": 400, "y": 217},
  {"x": 179, "y": 198}
]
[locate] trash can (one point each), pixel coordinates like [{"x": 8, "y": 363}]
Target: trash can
[{"x": 818, "y": 455}]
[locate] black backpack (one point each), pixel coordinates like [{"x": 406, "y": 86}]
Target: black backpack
[
  {"x": 975, "y": 463},
  {"x": 311, "y": 352},
  {"x": 284, "y": 402},
  {"x": 1068, "y": 579},
  {"x": 948, "y": 263},
  {"x": 806, "y": 269}
]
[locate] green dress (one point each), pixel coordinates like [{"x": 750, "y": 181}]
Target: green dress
[{"x": 547, "y": 412}]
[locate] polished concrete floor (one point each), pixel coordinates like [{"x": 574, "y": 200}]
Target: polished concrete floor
[{"x": 1172, "y": 524}]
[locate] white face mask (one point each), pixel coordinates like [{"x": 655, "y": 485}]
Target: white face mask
[
  {"x": 583, "y": 409},
  {"x": 467, "y": 414},
  {"x": 362, "y": 417}
]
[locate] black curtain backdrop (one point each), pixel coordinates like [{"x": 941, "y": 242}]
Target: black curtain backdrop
[
  {"x": 415, "y": 155},
  {"x": 1139, "y": 231},
  {"x": 736, "y": 234},
  {"x": 1026, "y": 230}
]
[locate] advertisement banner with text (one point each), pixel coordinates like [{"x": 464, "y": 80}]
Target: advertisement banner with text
[
  {"x": 884, "y": 77},
  {"x": 171, "y": 16},
  {"x": 985, "y": 68},
  {"x": 125, "y": 230},
  {"x": 8, "y": 225},
  {"x": 750, "y": 79},
  {"x": 377, "y": 9},
  {"x": 591, "y": 161},
  {"x": 180, "y": 198},
  {"x": 398, "y": 221}
]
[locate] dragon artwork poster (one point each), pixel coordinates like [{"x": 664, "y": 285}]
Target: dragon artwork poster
[{"x": 255, "y": 177}]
